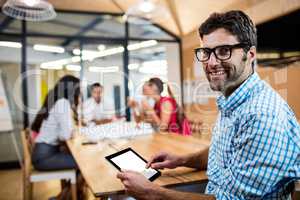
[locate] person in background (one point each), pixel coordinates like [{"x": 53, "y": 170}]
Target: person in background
[
  {"x": 162, "y": 112},
  {"x": 95, "y": 112},
  {"x": 255, "y": 147},
  {"x": 53, "y": 125}
]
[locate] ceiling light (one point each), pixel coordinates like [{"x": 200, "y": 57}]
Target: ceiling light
[
  {"x": 146, "y": 6},
  {"x": 60, "y": 62},
  {"x": 146, "y": 11},
  {"x": 30, "y": 10},
  {"x": 10, "y": 44},
  {"x": 156, "y": 63},
  {"x": 154, "y": 67},
  {"x": 88, "y": 54},
  {"x": 76, "y": 68},
  {"x": 140, "y": 45},
  {"x": 110, "y": 51},
  {"x": 104, "y": 69},
  {"x": 133, "y": 66},
  {"x": 151, "y": 70},
  {"x": 91, "y": 55},
  {"x": 47, "y": 48},
  {"x": 84, "y": 52},
  {"x": 54, "y": 67},
  {"x": 76, "y": 52},
  {"x": 101, "y": 47},
  {"x": 30, "y": 2}
]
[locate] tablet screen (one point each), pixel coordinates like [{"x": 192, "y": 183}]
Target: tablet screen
[{"x": 130, "y": 160}]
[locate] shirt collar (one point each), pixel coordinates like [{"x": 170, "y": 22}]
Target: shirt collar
[
  {"x": 239, "y": 95},
  {"x": 94, "y": 101}
]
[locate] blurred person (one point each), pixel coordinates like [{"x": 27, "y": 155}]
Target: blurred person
[
  {"x": 53, "y": 125},
  {"x": 162, "y": 112},
  {"x": 95, "y": 111}
]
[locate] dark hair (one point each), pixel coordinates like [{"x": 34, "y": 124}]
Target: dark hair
[
  {"x": 235, "y": 22},
  {"x": 160, "y": 85},
  {"x": 96, "y": 85},
  {"x": 68, "y": 87}
]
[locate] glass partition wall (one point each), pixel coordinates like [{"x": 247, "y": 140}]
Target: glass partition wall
[{"x": 96, "y": 47}]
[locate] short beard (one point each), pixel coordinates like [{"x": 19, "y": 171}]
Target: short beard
[{"x": 233, "y": 78}]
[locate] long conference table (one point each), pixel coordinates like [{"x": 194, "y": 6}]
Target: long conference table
[{"x": 100, "y": 175}]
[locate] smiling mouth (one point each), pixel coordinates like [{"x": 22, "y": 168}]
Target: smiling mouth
[{"x": 217, "y": 73}]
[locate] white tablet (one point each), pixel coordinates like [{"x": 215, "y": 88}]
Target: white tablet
[{"x": 128, "y": 159}]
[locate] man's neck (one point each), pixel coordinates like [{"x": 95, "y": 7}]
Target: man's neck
[
  {"x": 230, "y": 89},
  {"x": 97, "y": 102}
]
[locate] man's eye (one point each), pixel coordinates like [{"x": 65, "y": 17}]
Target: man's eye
[
  {"x": 223, "y": 51},
  {"x": 205, "y": 52}
]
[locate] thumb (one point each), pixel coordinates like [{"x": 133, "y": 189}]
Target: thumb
[{"x": 121, "y": 176}]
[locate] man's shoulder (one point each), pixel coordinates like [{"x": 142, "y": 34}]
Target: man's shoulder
[{"x": 264, "y": 100}]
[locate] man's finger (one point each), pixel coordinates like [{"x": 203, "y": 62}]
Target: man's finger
[
  {"x": 128, "y": 171},
  {"x": 150, "y": 162},
  {"x": 126, "y": 183},
  {"x": 160, "y": 165},
  {"x": 121, "y": 176},
  {"x": 155, "y": 158}
]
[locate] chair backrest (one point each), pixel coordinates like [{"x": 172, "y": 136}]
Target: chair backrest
[{"x": 27, "y": 147}]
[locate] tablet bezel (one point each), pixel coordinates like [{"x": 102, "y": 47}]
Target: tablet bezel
[{"x": 152, "y": 178}]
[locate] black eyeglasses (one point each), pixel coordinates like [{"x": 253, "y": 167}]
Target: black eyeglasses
[{"x": 222, "y": 52}]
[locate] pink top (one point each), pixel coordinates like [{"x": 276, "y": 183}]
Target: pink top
[{"x": 173, "y": 125}]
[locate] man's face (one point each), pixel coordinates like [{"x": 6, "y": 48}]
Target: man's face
[
  {"x": 97, "y": 93},
  {"x": 228, "y": 74}
]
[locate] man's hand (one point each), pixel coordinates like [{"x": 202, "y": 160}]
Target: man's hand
[
  {"x": 137, "y": 185},
  {"x": 164, "y": 160}
]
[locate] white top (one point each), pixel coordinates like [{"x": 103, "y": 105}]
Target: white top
[
  {"x": 97, "y": 111},
  {"x": 59, "y": 125}
]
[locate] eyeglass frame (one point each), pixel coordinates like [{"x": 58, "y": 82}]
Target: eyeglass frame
[{"x": 213, "y": 50}]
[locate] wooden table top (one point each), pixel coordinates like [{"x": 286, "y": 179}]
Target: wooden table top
[{"x": 100, "y": 175}]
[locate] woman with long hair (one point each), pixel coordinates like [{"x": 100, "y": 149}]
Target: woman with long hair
[
  {"x": 166, "y": 114},
  {"x": 54, "y": 124}
]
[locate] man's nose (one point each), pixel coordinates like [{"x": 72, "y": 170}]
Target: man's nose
[{"x": 212, "y": 61}]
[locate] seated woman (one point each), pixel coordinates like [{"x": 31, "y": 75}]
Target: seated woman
[
  {"x": 54, "y": 124},
  {"x": 165, "y": 115}
]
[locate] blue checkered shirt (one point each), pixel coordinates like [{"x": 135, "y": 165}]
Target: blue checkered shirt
[{"x": 255, "y": 150}]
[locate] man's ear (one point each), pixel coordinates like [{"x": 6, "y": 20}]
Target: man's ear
[{"x": 252, "y": 54}]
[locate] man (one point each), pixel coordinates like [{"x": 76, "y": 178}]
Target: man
[
  {"x": 94, "y": 110},
  {"x": 255, "y": 149}
]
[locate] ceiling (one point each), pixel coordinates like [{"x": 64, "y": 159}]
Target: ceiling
[{"x": 186, "y": 15}]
